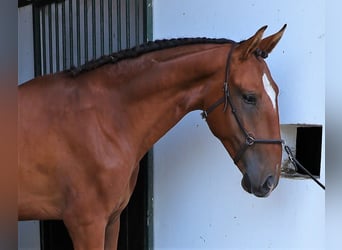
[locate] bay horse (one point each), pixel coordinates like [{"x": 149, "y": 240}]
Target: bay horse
[{"x": 82, "y": 132}]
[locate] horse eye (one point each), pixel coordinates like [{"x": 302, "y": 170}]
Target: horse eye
[{"x": 249, "y": 99}]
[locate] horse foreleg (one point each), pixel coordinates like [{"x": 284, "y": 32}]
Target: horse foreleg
[
  {"x": 112, "y": 234},
  {"x": 87, "y": 236}
]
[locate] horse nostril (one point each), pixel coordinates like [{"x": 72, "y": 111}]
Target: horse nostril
[{"x": 269, "y": 183}]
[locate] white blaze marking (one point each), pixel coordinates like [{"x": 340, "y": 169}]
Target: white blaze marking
[{"x": 269, "y": 90}]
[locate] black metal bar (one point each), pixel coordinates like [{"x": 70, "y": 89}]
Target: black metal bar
[
  {"x": 101, "y": 27},
  {"x": 50, "y": 38},
  {"x": 147, "y": 21},
  {"x": 128, "y": 24},
  {"x": 110, "y": 25},
  {"x": 43, "y": 39},
  {"x": 37, "y": 41},
  {"x": 85, "y": 30},
  {"x": 137, "y": 22},
  {"x": 71, "y": 41},
  {"x": 118, "y": 23},
  {"x": 64, "y": 36},
  {"x": 78, "y": 32},
  {"x": 149, "y": 201},
  {"x": 37, "y": 3},
  {"x": 22, "y": 3},
  {"x": 93, "y": 23},
  {"x": 57, "y": 36}
]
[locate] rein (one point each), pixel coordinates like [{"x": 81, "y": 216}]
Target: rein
[{"x": 249, "y": 139}]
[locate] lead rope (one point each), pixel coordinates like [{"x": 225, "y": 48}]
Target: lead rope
[{"x": 296, "y": 164}]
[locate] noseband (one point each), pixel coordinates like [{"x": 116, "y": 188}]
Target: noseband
[{"x": 226, "y": 99}]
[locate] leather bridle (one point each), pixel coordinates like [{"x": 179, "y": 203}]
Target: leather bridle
[{"x": 226, "y": 99}]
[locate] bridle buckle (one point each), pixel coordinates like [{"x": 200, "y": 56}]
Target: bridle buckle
[{"x": 250, "y": 140}]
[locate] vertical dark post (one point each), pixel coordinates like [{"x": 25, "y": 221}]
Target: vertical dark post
[
  {"x": 50, "y": 38},
  {"x": 64, "y": 36},
  {"x": 43, "y": 39},
  {"x": 110, "y": 25},
  {"x": 137, "y": 22},
  {"x": 57, "y": 36},
  {"x": 78, "y": 32},
  {"x": 148, "y": 36},
  {"x": 128, "y": 24},
  {"x": 102, "y": 27},
  {"x": 148, "y": 25},
  {"x": 149, "y": 200},
  {"x": 118, "y": 23},
  {"x": 71, "y": 35},
  {"x": 85, "y": 30},
  {"x": 37, "y": 41},
  {"x": 93, "y": 23}
]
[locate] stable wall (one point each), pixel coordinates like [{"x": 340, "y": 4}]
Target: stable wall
[
  {"x": 198, "y": 199},
  {"x": 28, "y": 231}
]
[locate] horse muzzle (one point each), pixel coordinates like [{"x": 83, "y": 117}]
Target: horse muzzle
[{"x": 260, "y": 190}]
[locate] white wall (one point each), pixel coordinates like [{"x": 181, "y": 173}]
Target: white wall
[
  {"x": 198, "y": 200},
  {"x": 25, "y": 44},
  {"x": 28, "y": 231}
]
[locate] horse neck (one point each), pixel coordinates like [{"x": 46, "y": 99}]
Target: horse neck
[{"x": 164, "y": 86}]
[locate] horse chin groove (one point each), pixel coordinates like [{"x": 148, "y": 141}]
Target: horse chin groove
[{"x": 262, "y": 195}]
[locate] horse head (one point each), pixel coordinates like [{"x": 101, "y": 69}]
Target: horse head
[{"x": 249, "y": 126}]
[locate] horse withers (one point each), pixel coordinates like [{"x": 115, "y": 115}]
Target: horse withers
[{"x": 82, "y": 132}]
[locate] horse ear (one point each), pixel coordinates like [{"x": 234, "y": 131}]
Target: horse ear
[
  {"x": 246, "y": 48},
  {"x": 267, "y": 44}
]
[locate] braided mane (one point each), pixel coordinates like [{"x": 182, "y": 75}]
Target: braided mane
[{"x": 143, "y": 49}]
